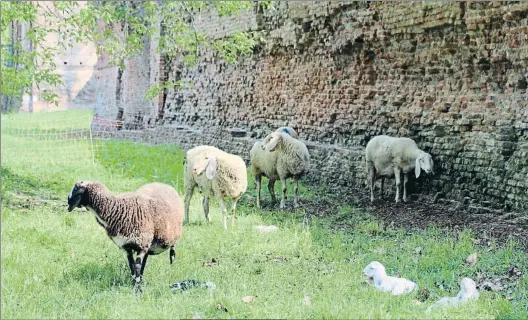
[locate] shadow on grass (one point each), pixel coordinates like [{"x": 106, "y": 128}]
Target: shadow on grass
[
  {"x": 23, "y": 191},
  {"x": 100, "y": 277},
  {"x": 15, "y": 182}
]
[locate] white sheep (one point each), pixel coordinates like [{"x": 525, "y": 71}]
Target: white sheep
[
  {"x": 146, "y": 222},
  {"x": 375, "y": 271},
  {"x": 271, "y": 182},
  {"x": 191, "y": 181},
  {"x": 288, "y": 130},
  {"x": 387, "y": 156},
  {"x": 468, "y": 291},
  {"x": 279, "y": 156},
  {"x": 219, "y": 174}
]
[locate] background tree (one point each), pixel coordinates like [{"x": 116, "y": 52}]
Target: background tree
[{"x": 27, "y": 61}]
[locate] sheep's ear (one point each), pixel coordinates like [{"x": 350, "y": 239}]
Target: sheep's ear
[
  {"x": 273, "y": 143},
  {"x": 211, "y": 168},
  {"x": 417, "y": 168}
]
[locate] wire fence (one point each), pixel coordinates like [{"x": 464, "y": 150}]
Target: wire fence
[{"x": 54, "y": 141}]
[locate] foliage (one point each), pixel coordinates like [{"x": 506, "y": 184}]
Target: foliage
[
  {"x": 57, "y": 264},
  {"x": 119, "y": 29},
  {"x": 20, "y": 66}
]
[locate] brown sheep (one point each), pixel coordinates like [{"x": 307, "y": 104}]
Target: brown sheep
[{"x": 146, "y": 222}]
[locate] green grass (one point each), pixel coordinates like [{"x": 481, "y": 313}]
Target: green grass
[{"x": 57, "y": 264}]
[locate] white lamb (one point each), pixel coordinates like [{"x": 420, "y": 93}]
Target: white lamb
[
  {"x": 279, "y": 156},
  {"x": 387, "y": 156},
  {"x": 375, "y": 271},
  {"x": 468, "y": 292},
  {"x": 219, "y": 174}
]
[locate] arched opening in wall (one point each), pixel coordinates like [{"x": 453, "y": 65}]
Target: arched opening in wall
[
  {"x": 164, "y": 66},
  {"x": 120, "y": 110}
]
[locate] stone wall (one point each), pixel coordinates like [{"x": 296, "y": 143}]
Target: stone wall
[
  {"x": 452, "y": 76},
  {"x": 120, "y": 92}
]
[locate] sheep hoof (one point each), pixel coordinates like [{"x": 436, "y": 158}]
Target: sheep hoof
[
  {"x": 172, "y": 255},
  {"x": 138, "y": 288},
  {"x": 296, "y": 205}
]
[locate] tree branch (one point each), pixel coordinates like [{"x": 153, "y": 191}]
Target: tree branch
[{"x": 197, "y": 52}]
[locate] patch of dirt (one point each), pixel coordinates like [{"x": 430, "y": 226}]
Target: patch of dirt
[
  {"x": 22, "y": 200},
  {"x": 419, "y": 214}
]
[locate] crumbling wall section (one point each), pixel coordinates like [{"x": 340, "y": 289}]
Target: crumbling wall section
[{"x": 451, "y": 75}]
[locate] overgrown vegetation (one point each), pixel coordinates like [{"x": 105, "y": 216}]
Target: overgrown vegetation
[
  {"x": 57, "y": 264},
  {"x": 118, "y": 28}
]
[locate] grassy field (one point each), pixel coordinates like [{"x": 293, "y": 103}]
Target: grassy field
[{"x": 57, "y": 264}]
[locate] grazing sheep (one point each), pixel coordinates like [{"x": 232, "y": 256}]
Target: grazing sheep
[
  {"x": 375, "y": 271},
  {"x": 386, "y": 156},
  {"x": 225, "y": 177},
  {"x": 468, "y": 292},
  {"x": 146, "y": 222},
  {"x": 279, "y": 156},
  {"x": 191, "y": 180}
]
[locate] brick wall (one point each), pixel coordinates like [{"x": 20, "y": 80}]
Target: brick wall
[
  {"x": 452, "y": 76},
  {"x": 121, "y": 91}
]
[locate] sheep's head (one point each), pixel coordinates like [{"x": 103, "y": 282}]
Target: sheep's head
[
  {"x": 284, "y": 130},
  {"x": 271, "y": 142},
  {"x": 374, "y": 268},
  {"x": 207, "y": 163},
  {"x": 424, "y": 161},
  {"x": 288, "y": 130},
  {"x": 468, "y": 287},
  {"x": 78, "y": 196}
]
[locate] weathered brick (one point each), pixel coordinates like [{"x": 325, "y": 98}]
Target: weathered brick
[{"x": 444, "y": 74}]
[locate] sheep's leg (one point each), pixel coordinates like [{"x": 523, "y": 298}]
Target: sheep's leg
[
  {"x": 295, "y": 191},
  {"x": 172, "y": 255},
  {"x": 205, "y": 204},
  {"x": 258, "y": 182},
  {"x": 405, "y": 179},
  {"x": 381, "y": 186},
  {"x": 224, "y": 212},
  {"x": 233, "y": 212},
  {"x": 284, "y": 189},
  {"x": 188, "y": 194},
  {"x": 144, "y": 262},
  {"x": 372, "y": 181},
  {"x": 139, "y": 266},
  {"x": 271, "y": 188},
  {"x": 130, "y": 258},
  {"x": 398, "y": 183}
]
